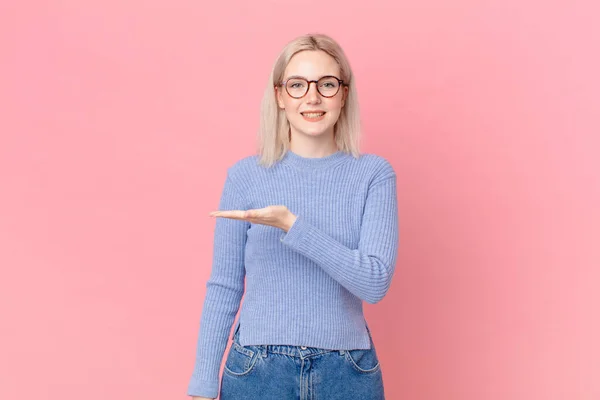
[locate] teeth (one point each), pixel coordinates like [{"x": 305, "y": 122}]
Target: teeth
[{"x": 312, "y": 115}]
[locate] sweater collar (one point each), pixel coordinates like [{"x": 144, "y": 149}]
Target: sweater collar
[{"x": 313, "y": 163}]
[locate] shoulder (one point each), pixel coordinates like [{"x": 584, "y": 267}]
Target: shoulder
[
  {"x": 244, "y": 166},
  {"x": 378, "y": 166},
  {"x": 244, "y": 173}
]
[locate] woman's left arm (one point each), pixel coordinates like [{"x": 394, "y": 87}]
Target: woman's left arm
[{"x": 366, "y": 271}]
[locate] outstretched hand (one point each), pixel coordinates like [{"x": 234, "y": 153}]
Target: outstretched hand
[{"x": 277, "y": 216}]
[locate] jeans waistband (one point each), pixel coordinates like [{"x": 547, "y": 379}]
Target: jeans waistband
[{"x": 289, "y": 350}]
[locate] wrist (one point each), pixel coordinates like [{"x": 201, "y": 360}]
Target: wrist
[{"x": 289, "y": 221}]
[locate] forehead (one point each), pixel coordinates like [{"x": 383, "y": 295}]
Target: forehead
[{"x": 312, "y": 65}]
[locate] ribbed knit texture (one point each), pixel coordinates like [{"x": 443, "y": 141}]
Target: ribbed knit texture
[{"x": 304, "y": 287}]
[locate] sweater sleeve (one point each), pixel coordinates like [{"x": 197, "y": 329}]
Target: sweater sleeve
[
  {"x": 366, "y": 271},
  {"x": 224, "y": 291}
]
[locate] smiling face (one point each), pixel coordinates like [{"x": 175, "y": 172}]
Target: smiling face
[{"x": 312, "y": 115}]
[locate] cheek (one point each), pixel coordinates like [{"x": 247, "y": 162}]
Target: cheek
[
  {"x": 335, "y": 103},
  {"x": 335, "y": 107},
  {"x": 291, "y": 106},
  {"x": 290, "y": 114}
]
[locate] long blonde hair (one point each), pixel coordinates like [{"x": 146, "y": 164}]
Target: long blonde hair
[{"x": 273, "y": 134}]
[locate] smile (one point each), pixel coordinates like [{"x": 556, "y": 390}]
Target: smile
[{"x": 313, "y": 116}]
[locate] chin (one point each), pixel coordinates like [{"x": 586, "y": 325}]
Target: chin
[{"x": 314, "y": 133}]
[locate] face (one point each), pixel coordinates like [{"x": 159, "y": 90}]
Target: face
[{"x": 313, "y": 114}]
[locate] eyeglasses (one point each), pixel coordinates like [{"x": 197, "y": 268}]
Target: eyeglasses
[{"x": 327, "y": 86}]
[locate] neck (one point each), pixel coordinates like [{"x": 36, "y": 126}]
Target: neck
[{"x": 313, "y": 146}]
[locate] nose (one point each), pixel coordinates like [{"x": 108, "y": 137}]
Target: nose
[{"x": 313, "y": 96}]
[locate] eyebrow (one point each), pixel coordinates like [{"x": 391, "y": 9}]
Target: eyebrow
[{"x": 303, "y": 77}]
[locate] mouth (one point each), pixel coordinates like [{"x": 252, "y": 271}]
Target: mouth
[{"x": 313, "y": 116}]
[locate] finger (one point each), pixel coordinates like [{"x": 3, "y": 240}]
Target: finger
[{"x": 236, "y": 214}]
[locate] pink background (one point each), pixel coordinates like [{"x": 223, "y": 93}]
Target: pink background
[{"x": 118, "y": 121}]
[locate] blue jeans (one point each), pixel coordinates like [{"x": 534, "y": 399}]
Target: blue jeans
[{"x": 271, "y": 372}]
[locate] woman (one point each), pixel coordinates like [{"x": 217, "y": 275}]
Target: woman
[{"x": 311, "y": 226}]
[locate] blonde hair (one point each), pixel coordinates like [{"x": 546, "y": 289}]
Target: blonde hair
[{"x": 273, "y": 134}]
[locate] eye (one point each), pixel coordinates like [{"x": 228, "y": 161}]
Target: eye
[
  {"x": 296, "y": 84},
  {"x": 328, "y": 83}
]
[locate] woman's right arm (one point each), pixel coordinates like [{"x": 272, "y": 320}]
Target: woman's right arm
[{"x": 224, "y": 291}]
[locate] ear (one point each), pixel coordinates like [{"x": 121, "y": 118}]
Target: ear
[
  {"x": 345, "y": 96},
  {"x": 279, "y": 98}
]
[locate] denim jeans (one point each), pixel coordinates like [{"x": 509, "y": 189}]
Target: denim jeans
[{"x": 273, "y": 372}]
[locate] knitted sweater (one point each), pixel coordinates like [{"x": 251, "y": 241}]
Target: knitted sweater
[{"x": 304, "y": 287}]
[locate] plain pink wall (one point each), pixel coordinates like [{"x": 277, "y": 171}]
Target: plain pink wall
[{"x": 119, "y": 119}]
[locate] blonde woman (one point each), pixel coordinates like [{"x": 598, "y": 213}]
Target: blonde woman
[{"x": 307, "y": 229}]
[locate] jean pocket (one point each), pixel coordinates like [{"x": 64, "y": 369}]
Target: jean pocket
[
  {"x": 240, "y": 360},
  {"x": 364, "y": 361}
]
